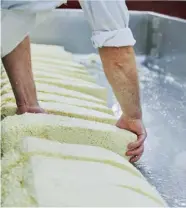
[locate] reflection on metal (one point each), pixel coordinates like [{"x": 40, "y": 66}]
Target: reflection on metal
[
  {"x": 162, "y": 41},
  {"x": 156, "y": 37}
]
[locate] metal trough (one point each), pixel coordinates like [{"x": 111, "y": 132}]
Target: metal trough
[{"x": 161, "y": 59}]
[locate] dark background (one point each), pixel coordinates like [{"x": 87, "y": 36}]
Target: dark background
[{"x": 173, "y": 8}]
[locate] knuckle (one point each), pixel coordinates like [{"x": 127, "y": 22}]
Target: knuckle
[{"x": 139, "y": 151}]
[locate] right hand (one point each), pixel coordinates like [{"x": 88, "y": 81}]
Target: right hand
[
  {"x": 29, "y": 109},
  {"x": 135, "y": 149}
]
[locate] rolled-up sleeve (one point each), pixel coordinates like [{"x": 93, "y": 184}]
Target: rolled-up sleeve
[{"x": 109, "y": 21}]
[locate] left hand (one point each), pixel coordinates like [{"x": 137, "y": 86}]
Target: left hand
[{"x": 29, "y": 109}]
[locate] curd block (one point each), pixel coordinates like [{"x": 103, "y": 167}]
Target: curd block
[
  {"x": 79, "y": 188},
  {"x": 53, "y": 54},
  {"x": 76, "y": 151},
  {"x": 50, "y": 51},
  {"x": 52, "y": 75},
  {"x": 59, "y": 62},
  {"x": 65, "y": 130},
  {"x": 41, "y": 146},
  {"x": 50, "y": 89},
  {"x": 9, "y": 109},
  {"x": 80, "y": 171},
  {"x": 59, "y": 67},
  {"x": 49, "y": 48},
  {"x": 9, "y": 97},
  {"x": 53, "y": 72},
  {"x": 53, "y": 185},
  {"x": 87, "y": 88},
  {"x": 62, "y": 71},
  {"x": 58, "y": 51}
]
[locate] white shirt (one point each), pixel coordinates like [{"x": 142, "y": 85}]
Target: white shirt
[{"x": 109, "y": 20}]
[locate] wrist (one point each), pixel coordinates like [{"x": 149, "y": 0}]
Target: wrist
[
  {"x": 29, "y": 109},
  {"x": 132, "y": 117},
  {"x": 25, "y": 103},
  {"x": 25, "y": 95}
]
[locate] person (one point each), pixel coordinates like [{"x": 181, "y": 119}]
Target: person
[{"x": 112, "y": 37}]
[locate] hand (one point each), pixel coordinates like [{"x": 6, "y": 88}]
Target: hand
[
  {"x": 135, "y": 149},
  {"x": 32, "y": 109}
]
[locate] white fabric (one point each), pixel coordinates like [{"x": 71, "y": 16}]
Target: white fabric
[
  {"x": 15, "y": 26},
  {"x": 31, "y": 6},
  {"x": 120, "y": 37},
  {"x": 19, "y": 18},
  {"x": 108, "y": 20}
]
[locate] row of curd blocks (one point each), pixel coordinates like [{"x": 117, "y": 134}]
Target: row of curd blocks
[{"x": 74, "y": 155}]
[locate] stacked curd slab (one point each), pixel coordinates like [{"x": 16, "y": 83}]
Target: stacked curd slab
[{"x": 74, "y": 155}]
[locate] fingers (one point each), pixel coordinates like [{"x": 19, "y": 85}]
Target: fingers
[
  {"x": 135, "y": 158},
  {"x": 138, "y": 143},
  {"x": 136, "y": 152},
  {"x": 136, "y": 149}
]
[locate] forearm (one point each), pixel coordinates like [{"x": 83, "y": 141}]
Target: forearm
[
  {"x": 120, "y": 69},
  {"x": 19, "y": 71}
]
